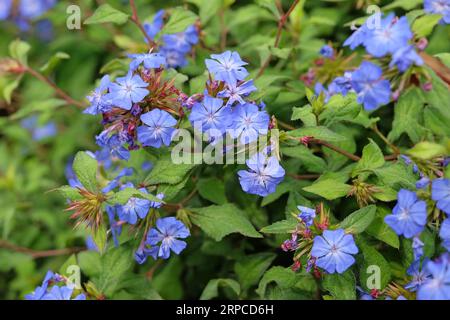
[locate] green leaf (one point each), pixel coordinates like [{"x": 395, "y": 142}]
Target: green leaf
[
  {"x": 372, "y": 158},
  {"x": 341, "y": 286},
  {"x": 340, "y": 108},
  {"x": 212, "y": 189},
  {"x": 427, "y": 150},
  {"x": 165, "y": 171},
  {"x": 380, "y": 230},
  {"x": 250, "y": 268},
  {"x": 179, "y": 20},
  {"x": 372, "y": 258},
  {"x": 212, "y": 288},
  {"x": 100, "y": 238},
  {"x": 53, "y": 62},
  {"x": 105, "y": 13},
  {"x": 219, "y": 221},
  {"x": 69, "y": 193},
  {"x": 359, "y": 220},
  {"x": 397, "y": 176},
  {"x": 85, "y": 168},
  {"x": 283, "y": 277},
  {"x": 281, "y": 227},
  {"x": 423, "y": 26},
  {"x": 90, "y": 263},
  {"x": 46, "y": 105},
  {"x": 18, "y": 50},
  {"x": 121, "y": 197},
  {"x": 308, "y": 159},
  {"x": 408, "y": 115},
  {"x": 114, "y": 265},
  {"x": 329, "y": 189},
  {"x": 319, "y": 132},
  {"x": 9, "y": 89},
  {"x": 305, "y": 114}
]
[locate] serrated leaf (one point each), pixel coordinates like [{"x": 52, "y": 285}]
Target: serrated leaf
[
  {"x": 105, "y": 13},
  {"x": 121, "y": 197},
  {"x": 85, "y": 168},
  {"x": 329, "y": 189},
  {"x": 219, "y": 221},
  {"x": 281, "y": 227},
  {"x": 212, "y": 189},
  {"x": 179, "y": 20},
  {"x": 341, "y": 286},
  {"x": 359, "y": 220},
  {"x": 372, "y": 158},
  {"x": 250, "y": 268},
  {"x": 212, "y": 288}
]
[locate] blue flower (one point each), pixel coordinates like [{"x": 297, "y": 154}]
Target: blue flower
[
  {"x": 422, "y": 183},
  {"x": 263, "y": 175},
  {"x": 134, "y": 208},
  {"x": 438, "y": 7},
  {"x": 333, "y": 251},
  {"x": 341, "y": 85},
  {"x": 62, "y": 293},
  {"x": 444, "y": 233},
  {"x": 404, "y": 57},
  {"x": 327, "y": 51},
  {"x": 408, "y": 162},
  {"x": 249, "y": 123},
  {"x": 98, "y": 103},
  {"x": 418, "y": 273},
  {"x": 40, "y": 291},
  {"x": 438, "y": 286},
  {"x": 307, "y": 215},
  {"x": 90, "y": 244},
  {"x": 39, "y": 131},
  {"x": 210, "y": 115},
  {"x": 158, "y": 128},
  {"x": 391, "y": 35},
  {"x": 114, "y": 183},
  {"x": 236, "y": 92},
  {"x": 227, "y": 66},
  {"x": 116, "y": 229},
  {"x": 166, "y": 235},
  {"x": 127, "y": 90},
  {"x": 440, "y": 192},
  {"x": 182, "y": 41},
  {"x": 150, "y": 60},
  {"x": 152, "y": 29},
  {"x": 372, "y": 90},
  {"x": 357, "y": 38},
  {"x": 417, "y": 246},
  {"x": 112, "y": 146},
  {"x": 174, "y": 59},
  {"x": 5, "y": 9},
  {"x": 409, "y": 215},
  {"x": 31, "y": 9}
]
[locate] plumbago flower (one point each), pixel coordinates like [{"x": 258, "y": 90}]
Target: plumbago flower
[
  {"x": 249, "y": 122},
  {"x": 409, "y": 215},
  {"x": 307, "y": 215},
  {"x": 263, "y": 175},
  {"x": 438, "y": 7},
  {"x": 437, "y": 287},
  {"x": 440, "y": 192},
  {"x": 227, "y": 67},
  {"x": 210, "y": 115},
  {"x": 164, "y": 238},
  {"x": 128, "y": 90},
  {"x": 56, "y": 292},
  {"x": 334, "y": 251},
  {"x": 158, "y": 128}
]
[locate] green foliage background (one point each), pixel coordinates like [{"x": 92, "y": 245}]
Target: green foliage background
[{"x": 218, "y": 262}]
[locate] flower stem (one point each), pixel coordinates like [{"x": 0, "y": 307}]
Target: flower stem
[
  {"x": 39, "y": 253},
  {"x": 137, "y": 22}
]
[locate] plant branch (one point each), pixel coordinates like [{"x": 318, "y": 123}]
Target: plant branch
[
  {"x": 349, "y": 155},
  {"x": 304, "y": 176},
  {"x": 437, "y": 66},
  {"x": 39, "y": 253},
  {"x": 62, "y": 94},
  {"x": 281, "y": 23},
  {"x": 386, "y": 140},
  {"x": 137, "y": 22}
]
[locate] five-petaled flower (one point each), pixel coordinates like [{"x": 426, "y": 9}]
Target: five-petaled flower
[
  {"x": 127, "y": 90},
  {"x": 158, "y": 128},
  {"x": 227, "y": 67}
]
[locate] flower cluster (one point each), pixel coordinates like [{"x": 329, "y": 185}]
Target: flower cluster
[
  {"x": 55, "y": 287},
  {"x": 26, "y": 11},
  {"x": 330, "y": 250},
  {"x": 381, "y": 36},
  {"x": 174, "y": 47}
]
